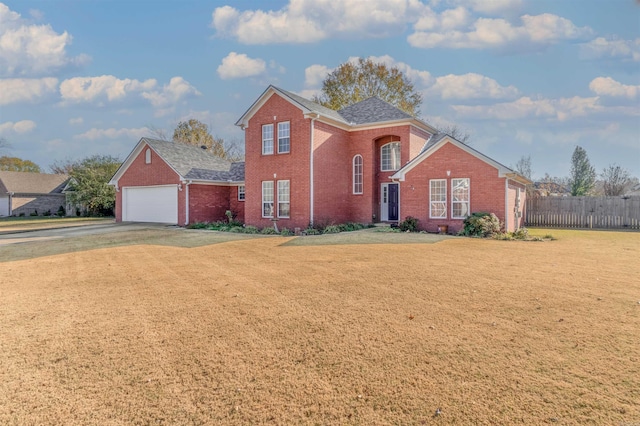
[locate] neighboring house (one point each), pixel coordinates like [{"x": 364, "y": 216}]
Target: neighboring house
[
  {"x": 175, "y": 183},
  {"x": 369, "y": 162},
  {"x": 550, "y": 189},
  {"x": 26, "y": 193}
]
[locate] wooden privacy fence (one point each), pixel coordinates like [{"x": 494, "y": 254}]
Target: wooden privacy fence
[{"x": 584, "y": 212}]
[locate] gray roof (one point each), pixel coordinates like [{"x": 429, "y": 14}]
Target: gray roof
[
  {"x": 434, "y": 140},
  {"x": 372, "y": 110},
  {"x": 32, "y": 183},
  {"x": 192, "y": 162},
  {"x": 313, "y": 106}
]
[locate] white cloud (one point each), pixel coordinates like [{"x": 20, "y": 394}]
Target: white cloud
[
  {"x": 23, "y": 126},
  {"x": 101, "y": 88},
  {"x": 307, "y": 21},
  {"x": 27, "y": 49},
  {"x": 76, "y": 120},
  {"x": 419, "y": 78},
  {"x": 627, "y": 50},
  {"x": 239, "y": 65},
  {"x": 492, "y": 7},
  {"x": 177, "y": 89},
  {"x": 525, "y": 107},
  {"x": 315, "y": 75},
  {"x": 471, "y": 86},
  {"x": 535, "y": 32},
  {"x": 607, "y": 86},
  {"x": 113, "y": 133},
  {"x": 14, "y": 90}
]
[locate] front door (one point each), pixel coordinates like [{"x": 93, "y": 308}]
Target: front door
[{"x": 389, "y": 205}]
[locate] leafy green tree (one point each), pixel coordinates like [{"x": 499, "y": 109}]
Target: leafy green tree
[
  {"x": 15, "y": 164},
  {"x": 62, "y": 167},
  {"x": 583, "y": 175},
  {"x": 354, "y": 82},
  {"x": 88, "y": 185},
  {"x": 615, "y": 180},
  {"x": 194, "y": 132}
]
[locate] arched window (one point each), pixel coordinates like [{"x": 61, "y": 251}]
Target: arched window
[
  {"x": 357, "y": 174},
  {"x": 390, "y": 157},
  {"x": 147, "y": 156}
]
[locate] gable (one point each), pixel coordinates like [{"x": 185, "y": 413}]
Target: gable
[{"x": 438, "y": 141}]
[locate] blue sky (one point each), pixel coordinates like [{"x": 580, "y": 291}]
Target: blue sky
[{"x": 537, "y": 78}]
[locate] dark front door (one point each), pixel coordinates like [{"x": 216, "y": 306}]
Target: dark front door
[{"x": 393, "y": 201}]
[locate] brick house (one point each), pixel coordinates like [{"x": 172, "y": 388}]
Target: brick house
[
  {"x": 175, "y": 183},
  {"x": 369, "y": 162},
  {"x": 23, "y": 193}
]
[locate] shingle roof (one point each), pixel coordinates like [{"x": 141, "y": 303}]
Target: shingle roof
[
  {"x": 192, "y": 162},
  {"x": 32, "y": 183},
  {"x": 313, "y": 106},
  {"x": 372, "y": 110}
]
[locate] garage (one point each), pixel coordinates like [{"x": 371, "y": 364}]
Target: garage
[
  {"x": 4, "y": 206},
  {"x": 150, "y": 204}
]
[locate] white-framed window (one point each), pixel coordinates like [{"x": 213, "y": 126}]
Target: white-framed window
[
  {"x": 460, "y": 196},
  {"x": 390, "y": 157},
  {"x": 267, "y": 139},
  {"x": 147, "y": 156},
  {"x": 438, "y": 198},
  {"x": 241, "y": 193},
  {"x": 284, "y": 140},
  {"x": 357, "y": 174},
  {"x": 284, "y": 201},
  {"x": 267, "y": 198}
]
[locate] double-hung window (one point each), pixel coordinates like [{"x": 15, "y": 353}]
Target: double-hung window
[
  {"x": 357, "y": 174},
  {"x": 390, "y": 157},
  {"x": 267, "y": 139},
  {"x": 284, "y": 200},
  {"x": 284, "y": 141},
  {"x": 438, "y": 198},
  {"x": 267, "y": 198},
  {"x": 460, "y": 198},
  {"x": 241, "y": 193}
]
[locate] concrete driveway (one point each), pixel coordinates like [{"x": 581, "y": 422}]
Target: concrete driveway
[{"x": 23, "y": 236}]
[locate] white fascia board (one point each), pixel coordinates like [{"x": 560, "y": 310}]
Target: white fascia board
[
  {"x": 502, "y": 170},
  {"x": 243, "y": 121},
  {"x": 214, "y": 182},
  {"x": 132, "y": 156}
]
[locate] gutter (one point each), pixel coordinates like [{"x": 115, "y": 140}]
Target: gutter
[
  {"x": 187, "y": 183},
  {"x": 311, "y": 142},
  {"x": 506, "y": 204}
]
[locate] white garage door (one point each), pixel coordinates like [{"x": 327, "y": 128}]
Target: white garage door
[
  {"x": 150, "y": 204},
  {"x": 4, "y": 206}
]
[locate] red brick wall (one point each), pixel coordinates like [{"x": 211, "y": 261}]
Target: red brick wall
[
  {"x": 293, "y": 166},
  {"x": 237, "y": 206},
  {"x": 141, "y": 174},
  {"x": 208, "y": 203},
  {"x": 487, "y": 190}
]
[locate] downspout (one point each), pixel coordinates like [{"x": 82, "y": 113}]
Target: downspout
[
  {"x": 187, "y": 202},
  {"x": 11, "y": 194},
  {"x": 506, "y": 204},
  {"x": 311, "y": 170}
]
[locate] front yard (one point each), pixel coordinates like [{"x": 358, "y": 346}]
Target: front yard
[{"x": 160, "y": 330}]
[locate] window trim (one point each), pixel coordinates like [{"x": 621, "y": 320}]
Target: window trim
[
  {"x": 267, "y": 201},
  {"x": 288, "y": 123},
  {"x": 467, "y": 202},
  {"x": 288, "y": 202},
  {"x": 241, "y": 193},
  {"x": 398, "y": 161},
  {"x": 266, "y": 126},
  {"x": 432, "y": 201},
  {"x": 355, "y": 174}
]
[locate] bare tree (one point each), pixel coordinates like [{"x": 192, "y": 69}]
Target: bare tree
[
  {"x": 523, "y": 166},
  {"x": 615, "y": 179},
  {"x": 456, "y": 132}
]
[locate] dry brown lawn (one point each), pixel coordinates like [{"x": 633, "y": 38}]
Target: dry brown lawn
[{"x": 257, "y": 332}]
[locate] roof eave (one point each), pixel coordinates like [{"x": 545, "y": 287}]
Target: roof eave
[
  {"x": 390, "y": 123},
  {"x": 243, "y": 121}
]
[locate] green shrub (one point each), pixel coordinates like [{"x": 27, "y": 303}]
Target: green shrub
[
  {"x": 409, "y": 224},
  {"x": 268, "y": 231},
  {"x": 311, "y": 231},
  {"x": 236, "y": 229},
  {"x": 332, "y": 229},
  {"x": 480, "y": 224},
  {"x": 61, "y": 211},
  {"x": 521, "y": 234},
  {"x": 251, "y": 230},
  {"x": 286, "y": 232},
  {"x": 34, "y": 213},
  {"x": 21, "y": 214}
]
